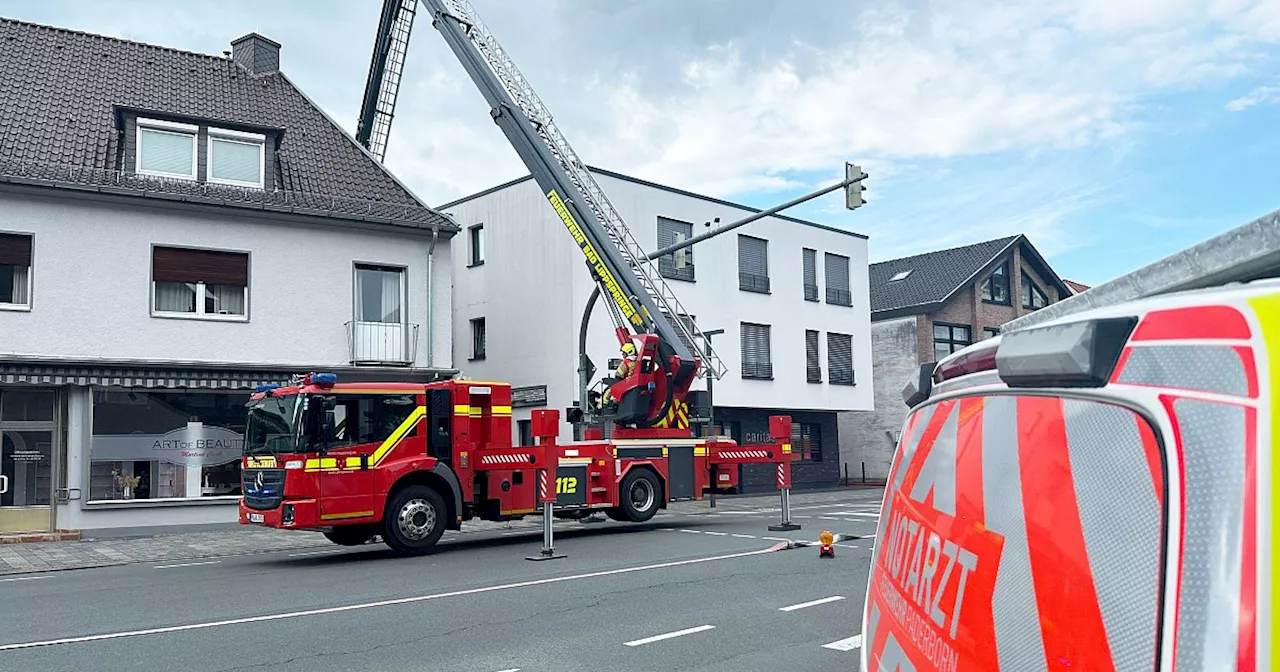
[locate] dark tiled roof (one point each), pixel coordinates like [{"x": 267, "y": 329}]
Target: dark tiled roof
[
  {"x": 934, "y": 275},
  {"x": 59, "y": 90}
]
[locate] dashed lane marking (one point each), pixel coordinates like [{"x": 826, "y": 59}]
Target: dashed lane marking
[
  {"x": 814, "y": 603},
  {"x": 24, "y": 578},
  {"x": 386, "y": 603},
  {"x": 850, "y": 644},
  {"x": 324, "y": 552},
  {"x": 187, "y": 564},
  {"x": 716, "y": 534},
  {"x": 670, "y": 635}
]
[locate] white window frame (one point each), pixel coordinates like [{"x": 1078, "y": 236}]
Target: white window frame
[
  {"x": 171, "y": 128},
  {"x": 31, "y": 276},
  {"x": 199, "y": 314},
  {"x": 239, "y": 137}
]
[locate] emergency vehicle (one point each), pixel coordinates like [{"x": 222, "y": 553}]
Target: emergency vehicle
[
  {"x": 407, "y": 461},
  {"x": 1091, "y": 493}
]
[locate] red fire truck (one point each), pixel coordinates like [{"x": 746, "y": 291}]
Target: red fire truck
[{"x": 407, "y": 461}]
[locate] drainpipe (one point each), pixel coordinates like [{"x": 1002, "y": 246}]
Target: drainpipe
[{"x": 431, "y": 302}]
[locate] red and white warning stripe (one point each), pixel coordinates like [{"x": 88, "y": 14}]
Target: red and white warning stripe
[
  {"x": 739, "y": 454},
  {"x": 504, "y": 459}
]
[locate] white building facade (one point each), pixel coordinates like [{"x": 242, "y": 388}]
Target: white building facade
[
  {"x": 791, "y": 297},
  {"x": 145, "y": 296}
]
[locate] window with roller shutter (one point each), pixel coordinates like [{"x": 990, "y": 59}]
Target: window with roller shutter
[
  {"x": 679, "y": 264},
  {"x": 201, "y": 283},
  {"x": 810, "y": 274},
  {"x": 689, "y": 324},
  {"x": 753, "y": 264},
  {"x": 813, "y": 364},
  {"x": 837, "y": 267},
  {"x": 756, "y": 361},
  {"x": 839, "y": 358},
  {"x": 15, "y": 270}
]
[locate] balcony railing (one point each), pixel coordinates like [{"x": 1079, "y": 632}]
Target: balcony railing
[
  {"x": 382, "y": 343},
  {"x": 839, "y": 377},
  {"x": 839, "y": 297},
  {"x": 753, "y": 282},
  {"x": 760, "y": 370},
  {"x": 810, "y": 292},
  {"x": 814, "y": 374}
]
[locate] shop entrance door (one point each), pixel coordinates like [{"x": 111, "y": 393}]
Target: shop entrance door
[{"x": 26, "y": 480}]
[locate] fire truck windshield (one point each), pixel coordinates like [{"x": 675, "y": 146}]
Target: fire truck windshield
[{"x": 272, "y": 428}]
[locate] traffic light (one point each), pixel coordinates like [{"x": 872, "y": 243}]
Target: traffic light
[{"x": 853, "y": 191}]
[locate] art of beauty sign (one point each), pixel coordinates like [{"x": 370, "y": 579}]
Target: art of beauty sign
[{"x": 196, "y": 444}]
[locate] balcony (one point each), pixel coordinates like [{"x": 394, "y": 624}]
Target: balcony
[
  {"x": 839, "y": 297},
  {"x": 757, "y": 370},
  {"x": 753, "y": 282},
  {"x": 382, "y": 343}
]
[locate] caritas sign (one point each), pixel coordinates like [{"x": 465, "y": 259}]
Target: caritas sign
[{"x": 196, "y": 444}]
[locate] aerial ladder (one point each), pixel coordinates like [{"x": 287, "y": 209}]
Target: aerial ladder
[
  {"x": 383, "y": 85},
  {"x": 651, "y": 400}
]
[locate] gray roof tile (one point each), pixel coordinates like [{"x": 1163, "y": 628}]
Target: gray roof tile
[
  {"x": 934, "y": 275},
  {"x": 59, "y": 89}
]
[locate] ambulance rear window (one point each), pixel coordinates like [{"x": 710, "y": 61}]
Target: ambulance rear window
[{"x": 1019, "y": 532}]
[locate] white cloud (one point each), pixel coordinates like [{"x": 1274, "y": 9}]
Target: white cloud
[
  {"x": 733, "y": 97},
  {"x": 1259, "y": 96}
]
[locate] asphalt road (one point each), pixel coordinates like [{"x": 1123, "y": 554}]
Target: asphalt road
[{"x": 684, "y": 592}]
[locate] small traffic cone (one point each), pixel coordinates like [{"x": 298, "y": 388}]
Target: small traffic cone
[{"x": 827, "y": 547}]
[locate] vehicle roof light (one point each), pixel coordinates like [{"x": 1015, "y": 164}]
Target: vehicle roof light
[
  {"x": 1077, "y": 354},
  {"x": 267, "y": 387},
  {"x": 970, "y": 360},
  {"x": 321, "y": 379}
]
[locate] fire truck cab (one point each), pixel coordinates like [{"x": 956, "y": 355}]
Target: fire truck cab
[
  {"x": 1091, "y": 493},
  {"x": 408, "y": 461}
]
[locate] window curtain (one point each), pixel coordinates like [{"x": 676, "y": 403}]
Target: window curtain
[
  {"x": 390, "y": 297},
  {"x": 220, "y": 298},
  {"x": 20, "y": 288},
  {"x": 176, "y": 297}
]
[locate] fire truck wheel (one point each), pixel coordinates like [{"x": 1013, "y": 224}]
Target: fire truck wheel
[
  {"x": 639, "y": 494},
  {"x": 415, "y": 520}
]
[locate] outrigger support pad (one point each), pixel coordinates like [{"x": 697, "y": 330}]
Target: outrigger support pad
[
  {"x": 547, "y": 495},
  {"x": 786, "y": 525}
]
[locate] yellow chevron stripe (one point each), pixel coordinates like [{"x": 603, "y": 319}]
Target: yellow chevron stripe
[{"x": 391, "y": 441}]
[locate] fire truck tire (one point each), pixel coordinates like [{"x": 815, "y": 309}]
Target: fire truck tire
[
  {"x": 415, "y": 520},
  {"x": 639, "y": 495}
]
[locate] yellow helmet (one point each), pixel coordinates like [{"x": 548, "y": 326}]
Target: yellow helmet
[{"x": 628, "y": 348}]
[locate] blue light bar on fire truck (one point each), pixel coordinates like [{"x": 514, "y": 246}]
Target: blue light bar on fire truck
[
  {"x": 1075, "y": 354},
  {"x": 321, "y": 379}
]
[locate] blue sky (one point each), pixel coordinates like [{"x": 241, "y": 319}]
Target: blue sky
[{"x": 1111, "y": 133}]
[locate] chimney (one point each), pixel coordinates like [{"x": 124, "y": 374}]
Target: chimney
[{"x": 256, "y": 54}]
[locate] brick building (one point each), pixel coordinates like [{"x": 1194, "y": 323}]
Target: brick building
[{"x": 927, "y": 306}]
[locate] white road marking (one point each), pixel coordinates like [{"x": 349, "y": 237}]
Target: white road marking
[
  {"x": 692, "y": 531},
  {"x": 514, "y": 669},
  {"x": 383, "y": 603},
  {"x": 24, "y": 578},
  {"x": 774, "y": 539},
  {"x": 717, "y": 534},
  {"x": 669, "y": 635},
  {"x": 862, "y": 514},
  {"x": 325, "y": 552},
  {"x": 187, "y": 564},
  {"x": 802, "y": 605},
  {"x": 850, "y": 644},
  {"x": 743, "y": 536}
]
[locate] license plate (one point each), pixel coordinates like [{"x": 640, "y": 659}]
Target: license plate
[{"x": 257, "y": 518}]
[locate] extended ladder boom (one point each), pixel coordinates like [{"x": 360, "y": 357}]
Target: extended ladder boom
[
  {"x": 383, "y": 85},
  {"x": 638, "y": 294}
]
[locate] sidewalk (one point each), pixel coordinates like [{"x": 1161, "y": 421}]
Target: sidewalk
[{"x": 63, "y": 555}]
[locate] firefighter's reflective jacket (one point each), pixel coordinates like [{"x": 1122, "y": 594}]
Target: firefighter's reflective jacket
[{"x": 1091, "y": 494}]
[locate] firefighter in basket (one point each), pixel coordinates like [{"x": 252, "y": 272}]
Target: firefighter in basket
[{"x": 625, "y": 368}]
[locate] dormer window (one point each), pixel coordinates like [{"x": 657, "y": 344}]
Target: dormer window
[
  {"x": 236, "y": 158},
  {"x": 171, "y": 149},
  {"x": 167, "y": 149}
]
